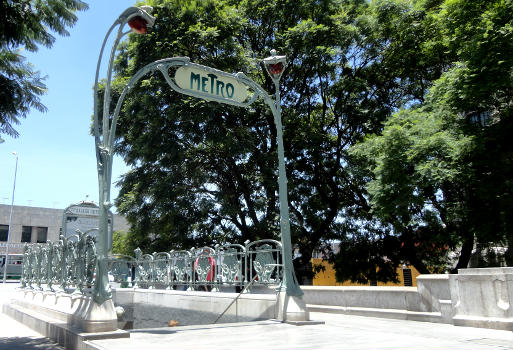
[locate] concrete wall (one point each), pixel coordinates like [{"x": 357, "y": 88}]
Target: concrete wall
[
  {"x": 150, "y": 308},
  {"x": 31, "y": 216},
  {"x": 388, "y": 302},
  {"x": 483, "y": 297},
  {"x": 474, "y": 297}
]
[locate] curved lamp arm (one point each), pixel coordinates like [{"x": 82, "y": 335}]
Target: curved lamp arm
[{"x": 139, "y": 19}]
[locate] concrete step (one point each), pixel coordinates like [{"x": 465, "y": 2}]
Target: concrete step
[
  {"x": 57, "y": 330},
  {"x": 375, "y": 312}
]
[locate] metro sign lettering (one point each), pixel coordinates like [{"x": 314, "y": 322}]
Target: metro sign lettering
[{"x": 204, "y": 82}]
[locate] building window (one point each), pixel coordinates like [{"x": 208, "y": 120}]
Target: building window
[
  {"x": 408, "y": 281},
  {"x": 4, "y": 229},
  {"x": 26, "y": 234},
  {"x": 479, "y": 118},
  {"x": 42, "y": 234}
]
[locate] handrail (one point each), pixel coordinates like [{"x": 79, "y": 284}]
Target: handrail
[
  {"x": 242, "y": 292},
  {"x": 236, "y": 298}
]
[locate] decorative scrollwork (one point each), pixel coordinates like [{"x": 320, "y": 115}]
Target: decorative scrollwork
[
  {"x": 144, "y": 269},
  {"x": 90, "y": 261},
  {"x": 181, "y": 266},
  {"x": 162, "y": 269},
  {"x": 24, "y": 273},
  {"x": 231, "y": 258},
  {"x": 264, "y": 263},
  {"x": 70, "y": 264}
]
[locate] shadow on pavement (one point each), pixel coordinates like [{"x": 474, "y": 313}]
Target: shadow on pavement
[
  {"x": 152, "y": 331},
  {"x": 27, "y": 343}
]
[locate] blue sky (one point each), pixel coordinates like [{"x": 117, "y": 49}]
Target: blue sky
[{"x": 56, "y": 157}]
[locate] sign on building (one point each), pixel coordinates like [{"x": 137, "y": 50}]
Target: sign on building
[{"x": 83, "y": 216}]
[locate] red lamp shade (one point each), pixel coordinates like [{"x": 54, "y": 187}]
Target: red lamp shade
[
  {"x": 138, "y": 25},
  {"x": 276, "y": 68}
]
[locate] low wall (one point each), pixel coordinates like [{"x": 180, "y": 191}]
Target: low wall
[
  {"x": 474, "y": 297},
  {"x": 69, "y": 319},
  {"x": 147, "y": 308},
  {"x": 483, "y": 297},
  {"x": 389, "y": 302}
]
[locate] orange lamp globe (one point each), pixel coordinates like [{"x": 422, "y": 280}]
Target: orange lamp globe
[
  {"x": 276, "y": 68},
  {"x": 138, "y": 25}
]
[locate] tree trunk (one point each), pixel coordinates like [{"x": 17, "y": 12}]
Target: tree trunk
[
  {"x": 303, "y": 267},
  {"x": 509, "y": 253},
  {"x": 466, "y": 251}
]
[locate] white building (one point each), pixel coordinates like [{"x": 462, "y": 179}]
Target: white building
[{"x": 36, "y": 225}]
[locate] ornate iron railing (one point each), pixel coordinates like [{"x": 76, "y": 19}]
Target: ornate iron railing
[{"x": 69, "y": 266}]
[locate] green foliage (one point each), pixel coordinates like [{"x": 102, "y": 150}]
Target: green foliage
[
  {"x": 26, "y": 25},
  {"x": 211, "y": 176},
  {"x": 20, "y": 88},
  {"x": 380, "y": 155},
  {"x": 121, "y": 243},
  {"x": 435, "y": 177},
  {"x": 419, "y": 172}
]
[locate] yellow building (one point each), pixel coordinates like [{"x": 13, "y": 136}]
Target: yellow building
[{"x": 407, "y": 276}]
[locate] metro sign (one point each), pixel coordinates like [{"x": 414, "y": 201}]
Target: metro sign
[{"x": 207, "y": 82}]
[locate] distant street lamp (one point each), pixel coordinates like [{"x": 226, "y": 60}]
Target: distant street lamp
[
  {"x": 138, "y": 19},
  {"x": 10, "y": 219}
]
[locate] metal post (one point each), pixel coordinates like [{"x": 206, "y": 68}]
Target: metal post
[
  {"x": 275, "y": 65},
  {"x": 289, "y": 277},
  {"x": 138, "y": 19},
  {"x": 10, "y": 219}
]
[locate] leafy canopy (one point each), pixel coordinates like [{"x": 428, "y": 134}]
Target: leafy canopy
[
  {"x": 376, "y": 102},
  {"x": 25, "y": 25},
  {"x": 437, "y": 176}
]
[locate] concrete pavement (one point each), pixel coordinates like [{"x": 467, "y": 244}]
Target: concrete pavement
[
  {"x": 15, "y": 335},
  {"x": 339, "y": 332}
]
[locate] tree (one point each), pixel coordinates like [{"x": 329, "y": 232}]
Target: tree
[
  {"x": 480, "y": 84},
  {"x": 121, "y": 243},
  {"x": 25, "y": 25},
  {"x": 420, "y": 175},
  {"x": 211, "y": 176},
  {"x": 438, "y": 180},
  {"x": 206, "y": 173}
]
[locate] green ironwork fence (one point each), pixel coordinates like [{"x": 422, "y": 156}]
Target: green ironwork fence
[{"x": 69, "y": 266}]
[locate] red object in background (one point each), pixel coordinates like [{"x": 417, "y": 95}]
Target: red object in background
[
  {"x": 211, "y": 271},
  {"x": 275, "y": 68},
  {"x": 138, "y": 25}
]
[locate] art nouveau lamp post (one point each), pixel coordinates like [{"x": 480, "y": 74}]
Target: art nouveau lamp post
[
  {"x": 215, "y": 86},
  {"x": 275, "y": 65},
  {"x": 138, "y": 20}
]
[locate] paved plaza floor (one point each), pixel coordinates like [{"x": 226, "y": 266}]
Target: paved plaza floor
[
  {"x": 339, "y": 332},
  {"x": 16, "y": 336}
]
